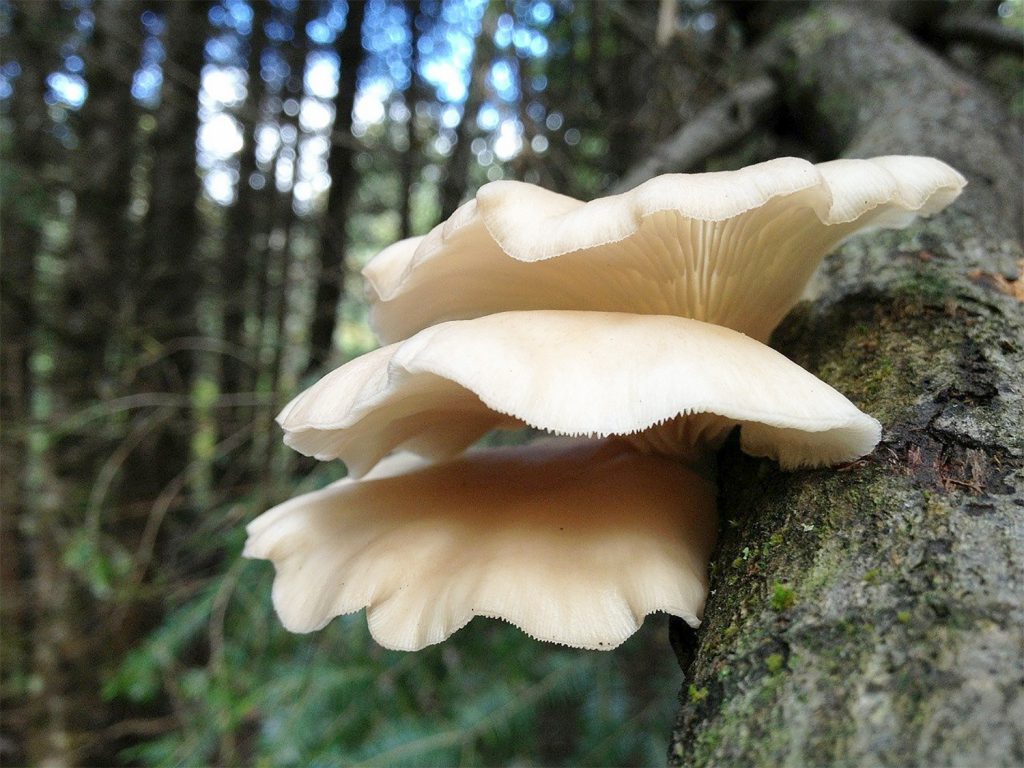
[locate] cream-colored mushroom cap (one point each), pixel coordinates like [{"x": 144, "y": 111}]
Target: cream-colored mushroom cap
[
  {"x": 733, "y": 248},
  {"x": 572, "y": 541},
  {"x": 576, "y": 373}
]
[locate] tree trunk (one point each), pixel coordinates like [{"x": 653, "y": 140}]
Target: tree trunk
[
  {"x": 282, "y": 254},
  {"x": 456, "y": 175},
  {"x": 168, "y": 284},
  {"x": 81, "y": 299},
  {"x": 333, "y": 240},
  {"x": 236, "y": 369},
  {"x": 874, "y": 615},
  {"x": 21, "y": 229},
  {"x": 102, "y": 186},
  {"x": 410, "y": 159}
]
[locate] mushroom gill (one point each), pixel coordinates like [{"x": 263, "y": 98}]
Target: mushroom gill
[
  {"x": 673, "y": 385},
  {"x": 573, "y": 541},
  {"x": 733, "y": 248}
]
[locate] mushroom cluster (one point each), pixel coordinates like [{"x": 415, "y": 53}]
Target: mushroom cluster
[{"x": 630, "y": 328}]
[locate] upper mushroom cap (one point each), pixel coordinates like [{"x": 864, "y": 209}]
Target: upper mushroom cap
[
  {"x": 576, "y": 373},
  {"x": 572, "y": 541},
  {"x": 733, "y": 248}
]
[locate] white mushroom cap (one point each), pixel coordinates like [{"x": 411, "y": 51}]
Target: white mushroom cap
[
  {"x": 733, "y": 248},
  {"x": 576, "y": 373},
  {"x": 572, "y": 541}
]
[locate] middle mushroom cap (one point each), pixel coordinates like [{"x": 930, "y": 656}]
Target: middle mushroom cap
[{"x": 672, "y": 385}]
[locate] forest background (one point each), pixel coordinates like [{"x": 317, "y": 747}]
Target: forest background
[{"x": 189, "y": 192}]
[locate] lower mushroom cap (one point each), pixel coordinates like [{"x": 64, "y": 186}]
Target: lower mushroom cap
[
  {"x": 576, "y": 373},
  {"x": 572, "y": 541}
]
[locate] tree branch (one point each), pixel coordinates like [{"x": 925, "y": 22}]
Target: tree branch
[
  {"x": 985, "y": 32},
  {"x": 859, "y": 85},
  {"x": 714, "y": 129}
]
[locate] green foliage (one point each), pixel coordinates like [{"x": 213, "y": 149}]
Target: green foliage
[
  {"x": 99, "y": 567},
  {"x": 243, "y": 690}
]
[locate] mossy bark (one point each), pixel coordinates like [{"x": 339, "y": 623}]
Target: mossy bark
[{"x": 874, "y": 614}]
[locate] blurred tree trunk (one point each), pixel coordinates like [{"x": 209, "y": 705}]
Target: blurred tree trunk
[
  {"x": 102, "y": 185},
  {"x": 875, "y": 615},
  {"x": 170, "y": 277},
  {"x": 408, "y": 162},
  {"x": 617, "y": 66},
  {"x": 242, "y": 216},
  {"x": 26, "y": 206},
  {"x": 344, "y": 178},
  {"x": 456, "y": 176},
  {"x": 282, "y": 254},
  {"x": 82, "y": 302},
  {"x": 525, "y": 163}
]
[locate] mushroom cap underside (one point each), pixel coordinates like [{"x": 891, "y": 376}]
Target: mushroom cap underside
[
  {"x": 575, "y": 373},
  {"x": 572, "y": 541},
  {"x": 733, "y": 248}
]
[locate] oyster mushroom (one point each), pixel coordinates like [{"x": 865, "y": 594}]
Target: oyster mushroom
[
  {"x": 573, "y": 541},
  {"x": 622, "y": 321},
  {"x": 669, "y": 384},
  {"x": 733, "y": 248}
]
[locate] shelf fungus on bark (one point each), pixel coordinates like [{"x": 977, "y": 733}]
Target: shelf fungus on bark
[
  {"x": 670, "y": 384},
  {"x": 734, "y": 248},
  {"x": 573, "y": 541},
  {"x": 618, "y": 325}
]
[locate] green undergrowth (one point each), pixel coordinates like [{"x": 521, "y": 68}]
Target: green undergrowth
[{"x": 239, "y": 689}]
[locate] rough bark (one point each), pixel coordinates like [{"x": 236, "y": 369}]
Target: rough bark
[{"x": 875, "y": 615}]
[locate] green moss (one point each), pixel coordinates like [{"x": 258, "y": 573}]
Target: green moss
[
  {"x": 853, "y": 628},
  {"x": 928, "y": 286},
  {"x": 707, "y": 743},
  {"x": 783, "y": 597},
  {"x": 897, "y": 357},
  {"x": 936, "y": 507},
  {"x": 774, "y": 541},
  {"x": 696, "y": 694}
]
